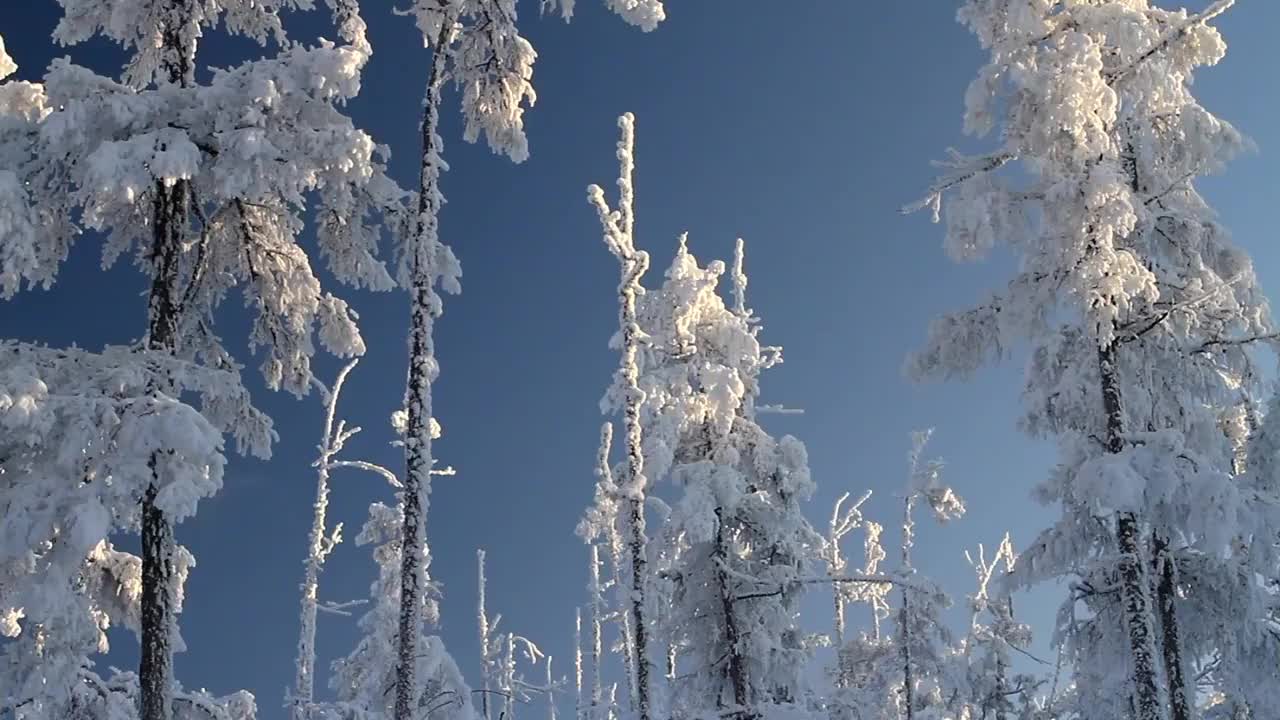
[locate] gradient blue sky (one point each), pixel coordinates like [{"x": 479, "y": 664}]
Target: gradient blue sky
[{"x": 801, "y": 126}]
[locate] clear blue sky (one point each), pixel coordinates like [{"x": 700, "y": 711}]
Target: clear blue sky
[{"x": 800, "y": 126}]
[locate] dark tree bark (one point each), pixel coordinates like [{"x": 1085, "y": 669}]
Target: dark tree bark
[
  {"x": 423, "y": 309},
  {"x": 1166, "y": 599},
  {"x": 908, "y": 678},
  {"x": 170, "y": 219},
  {"x": 1134, "y": 580},
  {"x": 735, "y": 664}
]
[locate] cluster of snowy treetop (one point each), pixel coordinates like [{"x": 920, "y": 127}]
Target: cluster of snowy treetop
[{"x": 1142, "y": 320}]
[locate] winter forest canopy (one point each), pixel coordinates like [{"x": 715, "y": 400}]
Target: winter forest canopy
[{"x": 261, "y": 457}]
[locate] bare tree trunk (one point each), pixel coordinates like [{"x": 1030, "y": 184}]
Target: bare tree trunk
[
  {"x": 482, "y": 622},
  {"x": 1135, "y": 583},
  {"x": 423, "y": 309}
]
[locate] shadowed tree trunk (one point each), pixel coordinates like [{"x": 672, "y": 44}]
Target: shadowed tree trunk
[
  {"x": 1166, "y": 598},
  {"x": 1134, "y": 581},
  {"x": 170, "y": 217}
]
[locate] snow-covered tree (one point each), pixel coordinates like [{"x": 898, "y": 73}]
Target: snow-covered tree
[
  {"x": 736, "y": 549},
  {"x": 81, "y": 430},
  {"x": 1235, "y": 618},
  {"x": 920, "y": 635},
  {"x": 206, "y": 184},
  {"x": 1138, "y": 311}
]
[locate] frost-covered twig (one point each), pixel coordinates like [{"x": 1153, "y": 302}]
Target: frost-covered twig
[
  {"x": 340, "y": 608},
  {"x": 962, "y": 168}
]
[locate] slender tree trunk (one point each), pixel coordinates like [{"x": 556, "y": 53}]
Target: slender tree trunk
[
  {"x": 508, "y": 683},
  {"x": 551, "y": 696},
  {"x": 842, "y": 661},
  {"x": 304, "y": 682},
  {"x": 1002, "y": 689},
  {"x": 735, "y": 663},
  {"x": 639, "y": 629},
  {"x": 908, "y": 679},
  {"x": 579, "y": 711},
  {"x": 318, "y": 547},
  {"x": 597, "y": 632},
  {"x": 423, "y": 309},
  {"x": 482, "y": 622},
  {"x": 904, "y": 613},
  {"x": 155, "y": 666},
  {"x": 625, "y": 620},
  {"x": 170, "y": 217},
  {"x": 634, "y": 266},
  {"x": 1166, "y": 599},
  {"x": 1135, "y": 583}
]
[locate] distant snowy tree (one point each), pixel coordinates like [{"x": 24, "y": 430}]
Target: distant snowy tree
[
  {"x": 1139, "y": 312},
  {"x": 504, "y": 685},
  {"x": 843, "y": 521},
  {"x": 867, "y": 671},
  {"x": 986, "y": 686},
  {"x": 364, "y": 681},
  {"x": 910, "y": 672},
  {"x": 920, "y": 634},
  {"x": 207, "y": 184}
]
